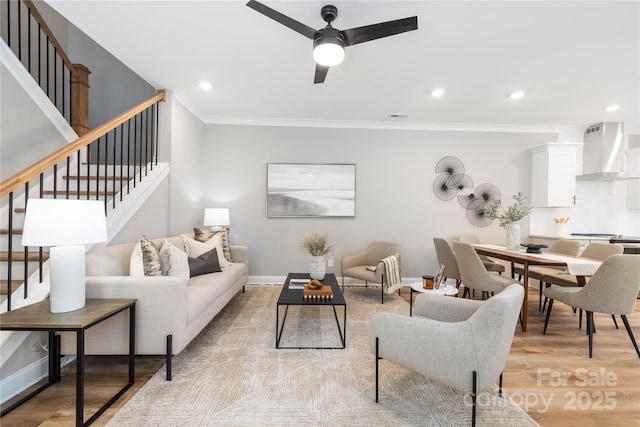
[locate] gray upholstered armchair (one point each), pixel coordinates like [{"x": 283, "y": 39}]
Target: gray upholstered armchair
[
  {"x": 476, "y": 334},
  {"x": 355, "y": 265}
]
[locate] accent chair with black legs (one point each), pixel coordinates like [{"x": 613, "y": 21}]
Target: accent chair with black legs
[
  {"x": 372, "y": 265},
  {"x": 476, "y": 335},
  {"x": 612, "y": 290}
]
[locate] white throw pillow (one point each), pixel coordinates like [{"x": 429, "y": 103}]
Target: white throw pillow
[
  {"x": 136, "y": 268},
  {"x": 174, "y": 261},
  {"x": 194, "y": 249}
]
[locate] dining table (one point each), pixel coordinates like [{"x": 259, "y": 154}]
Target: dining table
[{"x": 577, "y": 266}]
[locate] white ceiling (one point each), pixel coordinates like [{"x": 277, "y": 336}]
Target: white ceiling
[{"x": 573, "y": 58}]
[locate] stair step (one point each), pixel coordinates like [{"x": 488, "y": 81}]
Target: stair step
[
  {"x": 19, "y": 256},
  {"x": 82, "y": 193},
  {"x": 16, "y": 231},
  {"x": 4, "y": 286},
  {"x": 92, "y": 178}
]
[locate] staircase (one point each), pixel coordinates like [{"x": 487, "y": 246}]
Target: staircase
[{"x": 116, "y": 163}]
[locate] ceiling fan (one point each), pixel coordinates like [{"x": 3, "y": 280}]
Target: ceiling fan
[{"x": 329, "y": 42}]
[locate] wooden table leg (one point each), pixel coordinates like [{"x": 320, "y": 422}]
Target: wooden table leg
[{"x": 525, "y": 301}]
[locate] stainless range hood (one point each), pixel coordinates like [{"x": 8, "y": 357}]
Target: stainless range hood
[{"x": 603, "y": 153}]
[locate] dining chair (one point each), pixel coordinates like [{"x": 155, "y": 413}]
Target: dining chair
[
  {"x": 612, "y": 290},
  {"x": 596, "y": 250},
  {"x": 473, "y": 273},
  {"x": 447, "y": 257},
  {"x": 561, "y": 246},
  {"x": 489, "y": 264}
]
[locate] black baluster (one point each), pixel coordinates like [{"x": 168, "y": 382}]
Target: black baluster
[
  {"x": 10, "y": 252},
  {"x": 26, "y": 248},
  {"x": 55, "y": 181}
]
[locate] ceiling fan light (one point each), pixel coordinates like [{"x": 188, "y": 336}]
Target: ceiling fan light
[{"x": 328, "y": 52}]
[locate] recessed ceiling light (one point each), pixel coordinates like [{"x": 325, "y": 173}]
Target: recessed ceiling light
[
  {"x": 517, "y": 95},
  {"x": 205, "y": 86},
  {"x": 612, "y": 108},
  {"x": 437, "y": 92}
]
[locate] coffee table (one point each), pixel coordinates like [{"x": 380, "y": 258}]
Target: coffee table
[
  {"x": 290, "y": 297},
  {"x": 442, "y": 290}
]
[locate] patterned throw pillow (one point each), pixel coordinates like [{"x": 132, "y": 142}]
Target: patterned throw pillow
[
  {"x": 204, "y": 235},
  {"x": 150, "y": 258}
]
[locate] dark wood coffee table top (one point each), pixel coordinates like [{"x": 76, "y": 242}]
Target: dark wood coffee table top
[{"x": 294, "y": 296}]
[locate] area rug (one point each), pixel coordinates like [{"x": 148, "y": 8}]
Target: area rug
[{"x": 232, "y": 375}]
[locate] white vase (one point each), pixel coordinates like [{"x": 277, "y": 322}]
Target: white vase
[
  {"x": 316, "y": 267},
  {"x": 513, "y": 236}
]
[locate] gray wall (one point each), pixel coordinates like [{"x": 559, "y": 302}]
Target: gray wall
[
  {"x": 26, "y": 133},
  {"x": 394, "y": 196}
]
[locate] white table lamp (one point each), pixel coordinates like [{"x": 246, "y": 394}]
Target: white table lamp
[
  {"x": 216, "y": 218},
  {"x": 66, "y": 226}
]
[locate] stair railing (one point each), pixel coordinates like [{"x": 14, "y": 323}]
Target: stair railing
[
  {"x": 123, "y": 150},
  {"x": 66, "y": 84}
]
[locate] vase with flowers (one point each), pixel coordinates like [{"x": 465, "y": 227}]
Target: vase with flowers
[
  {"x": 316, "y": 245},
  {"x": 509, "y": 217}
]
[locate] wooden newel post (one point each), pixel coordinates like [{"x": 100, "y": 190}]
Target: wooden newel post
[{"x": 80, "y": 99}]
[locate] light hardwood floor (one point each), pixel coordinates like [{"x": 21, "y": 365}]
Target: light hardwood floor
[{"x": 550, "y": 376}]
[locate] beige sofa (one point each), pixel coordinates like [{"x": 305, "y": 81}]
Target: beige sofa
[{"x": 170, "y": 311}]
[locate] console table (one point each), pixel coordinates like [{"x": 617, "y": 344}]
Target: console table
[{"x": 37, "y": 317}]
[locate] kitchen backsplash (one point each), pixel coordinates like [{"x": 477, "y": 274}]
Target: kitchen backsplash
[{"x": 601, "y": 207}]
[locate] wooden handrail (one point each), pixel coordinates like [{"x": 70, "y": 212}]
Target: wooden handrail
[
  {"x": 27, "y": 174},
  {"x": 52, "y": 39}
]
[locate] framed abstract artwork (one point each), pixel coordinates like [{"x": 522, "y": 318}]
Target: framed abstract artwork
[{"x": 311, "y": 190}]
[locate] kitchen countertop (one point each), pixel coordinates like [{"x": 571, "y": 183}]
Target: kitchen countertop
[{"x": 589, "y": 238}]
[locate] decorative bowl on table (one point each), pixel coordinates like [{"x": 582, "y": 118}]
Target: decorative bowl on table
[{"x": 533, "y": 248}]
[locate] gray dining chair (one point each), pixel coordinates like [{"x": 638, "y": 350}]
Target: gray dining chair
[
  {"x": 473, "y": 273},
  {"x": 447, "y": 257},
  {"x": 488, "y": 263},
  {"x": 561, "y": 246},
  {"x": 612, "y": 290},
  {"x": 596, "y": 250}
]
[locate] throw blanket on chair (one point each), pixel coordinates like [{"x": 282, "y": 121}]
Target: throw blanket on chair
[{"x": 392, "y": 278}]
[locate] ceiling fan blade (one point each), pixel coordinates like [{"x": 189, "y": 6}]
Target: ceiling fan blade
[
  {"x": 283, "y": 19},
  {"x": 321, "y": 73},
  {"x": 376, "y": 31}
]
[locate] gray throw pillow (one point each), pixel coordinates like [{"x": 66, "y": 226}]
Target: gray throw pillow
[{"x": 204, "y": 264}]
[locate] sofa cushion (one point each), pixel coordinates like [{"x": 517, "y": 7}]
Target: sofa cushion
[
  {"x": 194, "y": 249},
  {"x": 204, "y": 235},
  {"x": 174, "y": 261},
  {"x": 204, "y": 264}
]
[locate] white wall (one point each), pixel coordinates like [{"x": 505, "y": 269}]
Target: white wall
[
  {"x": 394, "y": 196},
  {"x": 23, "y": 141}
]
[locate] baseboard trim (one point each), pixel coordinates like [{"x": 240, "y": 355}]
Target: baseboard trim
[
  {"x": 26, "y": 377},
  {"x": 275, "y": 280}
]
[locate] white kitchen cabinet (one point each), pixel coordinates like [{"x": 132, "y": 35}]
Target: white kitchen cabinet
[
  {"x": 553, "y": 174},
  {"x": 633, "y": 185}
]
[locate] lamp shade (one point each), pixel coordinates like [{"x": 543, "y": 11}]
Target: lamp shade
[
  {"x": 328, "y": 53},
  {"x": 216, "y": 216},
  {"x": 61, "y": 222}
]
